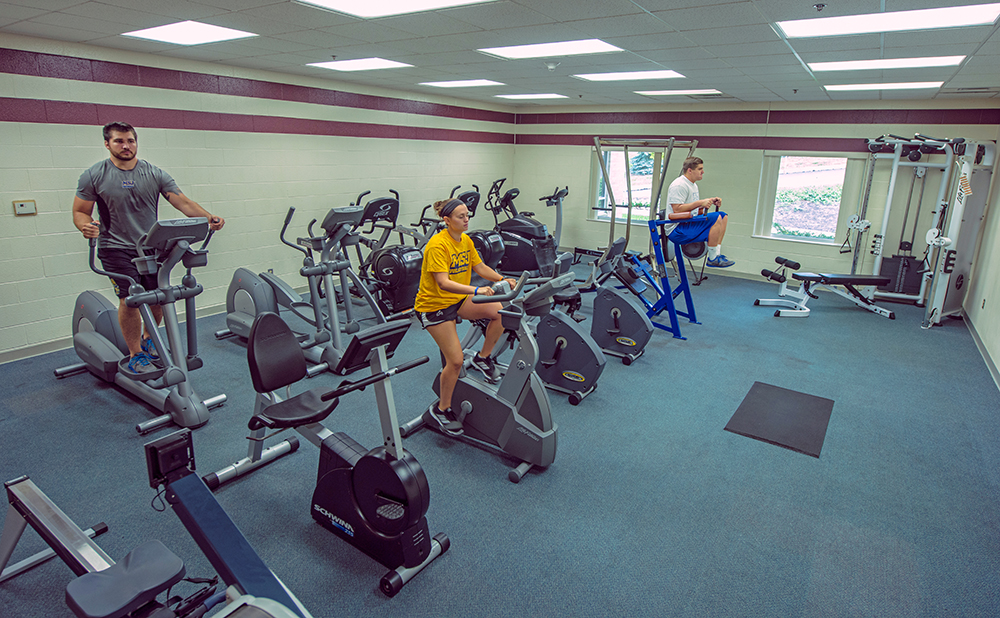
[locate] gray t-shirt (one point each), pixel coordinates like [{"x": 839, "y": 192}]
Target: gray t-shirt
[
  {"x": 680, "y": 191},
  {"x": 126, "y": 200}
]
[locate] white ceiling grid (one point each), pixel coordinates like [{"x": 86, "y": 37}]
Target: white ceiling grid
[{"x": 729, "y": 46}]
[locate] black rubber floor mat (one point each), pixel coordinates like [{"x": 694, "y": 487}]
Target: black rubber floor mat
[{"x": 788, "y": 418}]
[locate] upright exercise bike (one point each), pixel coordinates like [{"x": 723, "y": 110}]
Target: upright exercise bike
[
  {"x": 374, "y": 499},
  {"x": 98, "y": 340},
  {"x": 513, "y": 416}
]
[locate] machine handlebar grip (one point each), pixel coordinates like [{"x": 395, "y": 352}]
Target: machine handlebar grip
[
  {"x": 348, "y": 386},
  {"x": 773, "y": 276},
  {"x": 787, "y": 263},
  {"x": 499, "y": 298}
]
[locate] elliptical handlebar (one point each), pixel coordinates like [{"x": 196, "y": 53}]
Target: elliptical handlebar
[
  {"x": 288, "y": 219},
  {"x": 347, "y": 386},
  {"x": 357, "y": 202},
  {"x": 511, "y": 295}
]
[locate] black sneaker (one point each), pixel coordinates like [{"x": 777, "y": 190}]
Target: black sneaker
[
  {"x": 487, "y": 367},
  {"x": 445, "y": 420}
]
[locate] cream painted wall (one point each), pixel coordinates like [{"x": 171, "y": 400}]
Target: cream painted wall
[{"x": 250, "y": 179}]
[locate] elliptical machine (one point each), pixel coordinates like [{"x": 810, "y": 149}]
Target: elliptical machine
[
  {"x": 250, "y": 295},
  {"x": 98, "y": 340},
  {"x": 374, "y": 499},
  {"x": 514, "y": 415},
  {"x": 393, "y": 272}
]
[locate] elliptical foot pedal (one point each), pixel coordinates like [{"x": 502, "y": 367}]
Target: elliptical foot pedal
[{"x": 154, "y": 374}]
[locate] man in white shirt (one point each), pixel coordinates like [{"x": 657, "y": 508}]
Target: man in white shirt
[{"x": 686, "y": 203}]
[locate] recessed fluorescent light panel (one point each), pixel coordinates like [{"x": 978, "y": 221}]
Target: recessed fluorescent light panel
[
  {"x": 361, "y": 64},
  {"x": 924, "y": 19},
  {"x": 549, "y": 50},
  {"x": 382, "y": 8},
  {"x": 529, "y": 97},
  {"x": 896, "y": 86},
  {"x": 628, "y": 76},
  {"x": 189, "y": 33},
  {"x": 891, "y": 63},
  {"x": 463, "y": 83},
  {"x": 657, "y": 93}
]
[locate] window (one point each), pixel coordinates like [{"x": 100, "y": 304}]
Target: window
[
  {"x": 643, "y": 167},
  {"x": 806, "y": 197}
]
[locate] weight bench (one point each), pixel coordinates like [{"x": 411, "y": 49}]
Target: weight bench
[{"x": 795, "y": 300}]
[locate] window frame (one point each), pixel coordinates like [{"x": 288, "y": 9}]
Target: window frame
[
  {"x": 768, "y": 191},
  {"x": 597, "y": 178}
]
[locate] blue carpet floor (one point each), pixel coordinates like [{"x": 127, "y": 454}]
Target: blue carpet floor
[{"x": 650, "y": 508}]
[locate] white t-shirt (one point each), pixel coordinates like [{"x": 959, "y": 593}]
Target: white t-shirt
[{"x": 680, "y": 191}]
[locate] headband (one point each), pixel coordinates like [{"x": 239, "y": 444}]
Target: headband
[{"x": 452, "y": 204}]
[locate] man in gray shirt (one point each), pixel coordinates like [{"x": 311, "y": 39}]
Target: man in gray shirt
[{"x": 127, "y": 191}]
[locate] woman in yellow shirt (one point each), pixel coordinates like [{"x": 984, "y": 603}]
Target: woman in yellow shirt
[{"x": 450, "y": 258}]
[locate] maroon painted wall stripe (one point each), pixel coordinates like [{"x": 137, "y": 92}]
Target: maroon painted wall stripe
[
  {"x": 718, "y": 141},
  {"x": 841, "y": 116},
  {"x": 71, "y": 112},
  {"x": 81, "y": 69}
]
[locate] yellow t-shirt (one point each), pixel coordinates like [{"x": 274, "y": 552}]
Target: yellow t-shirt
[{"x": 443, "y": 255}]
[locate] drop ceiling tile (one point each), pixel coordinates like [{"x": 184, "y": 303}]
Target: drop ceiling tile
[
  {"x": 65, "y": 20},
  {"x": 717, "y": 16},
  {"x": 492, "y": 15},
  {"x": 176, "y": 10},
  {"x": 49, "y": 31},
  {"x": 950, "y": 36},
  {"x": 300, "y": 15},
  {"x": 122, "y": 19},
  {"x": 368, "y": 31},
  {"x": 769, "y": 48},
  {"x": 429, "y": 24},
  {"x": 651, "y": 41},
  {"x": 561, "y": 10},
  {"x": 754, "y": 62},
  {"x": 626, "y": 25},
  {"x": 755, "y": 33},
  {"x": 871, "y": 42},
  {"x": 11, "y": 13},
  {"x": 782, "y": 10}
]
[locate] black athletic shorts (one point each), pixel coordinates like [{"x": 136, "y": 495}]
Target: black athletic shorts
[
  {"x": 448, "y": 314},
  {"x": 119, "y": 261}
]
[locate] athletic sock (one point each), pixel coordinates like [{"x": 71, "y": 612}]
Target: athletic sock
[{"x": 714, "y": 252}]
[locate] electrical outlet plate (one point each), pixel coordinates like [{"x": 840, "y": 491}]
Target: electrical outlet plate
[{"x": 25, "y": 207}]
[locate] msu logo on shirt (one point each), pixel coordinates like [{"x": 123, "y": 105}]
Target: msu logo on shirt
[
  {"x": 459, "y": 263},
  {"x": 128, "y": 184}
]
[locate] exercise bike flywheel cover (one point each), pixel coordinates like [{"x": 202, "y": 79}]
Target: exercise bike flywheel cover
[{"x": 392, "y": 494}]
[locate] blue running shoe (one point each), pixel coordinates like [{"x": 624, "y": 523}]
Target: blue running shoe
[
  {"x": 150, "y": 349},
  {"x": 140, "y": 364},
  {"x": 720, "y": 262}
]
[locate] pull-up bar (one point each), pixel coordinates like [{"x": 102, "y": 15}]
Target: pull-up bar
[{"x": 667, "y": 145}]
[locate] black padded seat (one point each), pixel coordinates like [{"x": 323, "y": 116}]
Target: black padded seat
[
  {"x": 126, "y": 586},
  {"x": 276, "y": 361},
  {"x": 302, "y": 409},
  {"x": 828, "y": 279}
]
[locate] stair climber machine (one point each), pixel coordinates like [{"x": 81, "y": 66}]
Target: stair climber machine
[
  {"x": 375, "y": 499},
  {"x": 528, "y": 246},
  {"x": 250, "y": 294},
  {"x": 391, "y": 272},
  {"x": 514, "y": 415},
  {"x": 98, "y": 340}
]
